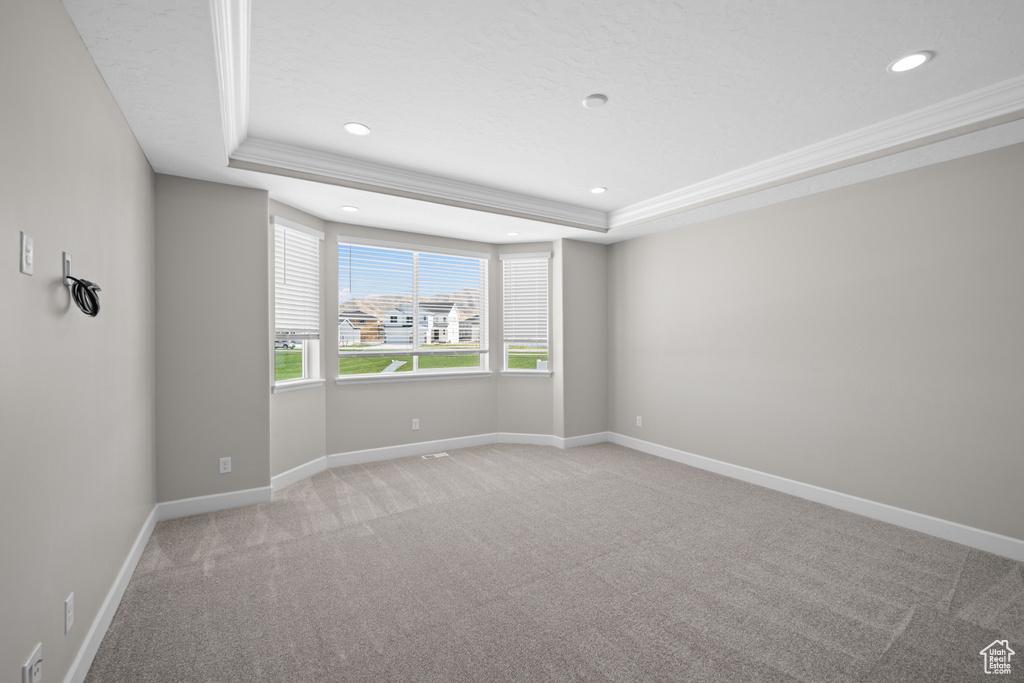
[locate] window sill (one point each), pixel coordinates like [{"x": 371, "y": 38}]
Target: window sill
[
  {"x": 409, "y": 377},
  {"x": 295, "y": 385},
  {"x": 525, "y": 373}
]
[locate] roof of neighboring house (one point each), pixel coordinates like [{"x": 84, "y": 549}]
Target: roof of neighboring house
[
  {"x": 346, "y": 322},
  {"x": 437, "y": 308},
  {"x": 354, "y": 314}
]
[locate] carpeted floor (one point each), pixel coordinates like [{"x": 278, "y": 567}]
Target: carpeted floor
[{"x": 527, "y": 563}]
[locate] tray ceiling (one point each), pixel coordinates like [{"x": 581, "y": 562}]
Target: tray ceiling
[{"x": 474, "y": 106}]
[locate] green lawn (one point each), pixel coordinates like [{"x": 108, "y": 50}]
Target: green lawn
[
  {"x": 525, "y": 361},
  {"x": 363, "y": 366},
  {"x": 525, "y": 357},
  {"x": 287, "y": 364},
  {"x": 432, "y": 362}
]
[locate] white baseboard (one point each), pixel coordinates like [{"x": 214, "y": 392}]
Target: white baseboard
[
  {"x": 550, "y": 440},
  {"x": 425, "y": 447},
  {"x": 217, "y": 501},
  {"x": 298, "y": 473},
  {"x": 529, "y": 439},
  {"x": 586, "y": 440},
  {"x": 98, "y": 628},
  {"x": 404, "y": 450},
  {"x": 958, "y": 533}
]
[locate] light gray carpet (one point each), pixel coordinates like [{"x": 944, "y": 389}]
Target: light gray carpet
[{"x": 526, "y": 563}]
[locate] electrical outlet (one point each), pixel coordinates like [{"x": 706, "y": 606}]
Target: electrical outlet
[
  {"x": 69, "y": 612},
  {"x": 32, "y": 672},
  {"x": 28, "y": 254},
  {"x": 639, "y": 421},
  {"x": 415, "y": 424},
  {"x": 225, "y": 465}
]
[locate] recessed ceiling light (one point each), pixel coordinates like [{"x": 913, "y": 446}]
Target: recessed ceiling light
[
  {"x": 598, "y": 190},
  {"x": 513, "y": 234},
  {"x": 910, "y": 61},
  {"x": 594, "y": 101},
  {"x": 350, "y": 208},
  {"x": 357, "y": 128}
]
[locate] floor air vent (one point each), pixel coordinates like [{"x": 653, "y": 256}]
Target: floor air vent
[{"x": 434, "y": 455}]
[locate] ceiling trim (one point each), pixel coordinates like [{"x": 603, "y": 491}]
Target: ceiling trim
[
  {"x": 231, "y": 39},
  {"x": 981, "y": 108},
  {"x": 995, "y": 104},
  {"x": 274, "y": 157}
]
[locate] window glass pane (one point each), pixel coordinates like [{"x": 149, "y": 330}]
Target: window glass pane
[
  {"x": 404, "y": 311},
  {"x": 375, "y": 298},
  {"x": 377, "y": 364},
  {"x": 443, "y": 362},
  {"x": 296, "y": 300},
  {"x": 288, "y": 360},
  {"x": 525, "y": 320},
  {"x": 449, "y": 302},
  {"x": 525, "y": 357},
  {"x": 399, "y": 310}
]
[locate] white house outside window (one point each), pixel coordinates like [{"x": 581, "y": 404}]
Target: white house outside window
[{"x": 423, "y": 312}]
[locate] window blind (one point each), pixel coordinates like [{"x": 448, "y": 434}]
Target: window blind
[
  {"x": 421, "y": 310},
  {"x": 525, "y": 299},
  {"x": 296, "y": 281}
]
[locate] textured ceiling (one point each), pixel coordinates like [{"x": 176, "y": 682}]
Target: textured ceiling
[
  {"x": 491, "y": 91},
  {"x": 488, "y": 93}
]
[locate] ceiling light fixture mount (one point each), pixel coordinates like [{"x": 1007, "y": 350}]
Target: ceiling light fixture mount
[
  {"x": 911, "y": 61},
  {"x": 350, "y": 209},
  {"x": 594, "y": 101},
  {"x": 356, "y": 128},
  {"x": 599, "y": 190}
]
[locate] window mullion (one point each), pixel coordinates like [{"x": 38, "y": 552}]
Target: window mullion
[{"x": 415, "y": 310}]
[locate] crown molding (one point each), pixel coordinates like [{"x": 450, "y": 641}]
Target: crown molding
[
  {"x": 268, "y": 156},
  {"x": 230, "y": 19},
  {"x": 989, "y": 106},
  {"x": 995, "y": 104}
]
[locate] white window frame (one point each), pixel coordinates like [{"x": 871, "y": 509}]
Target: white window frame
[
  {"x": 418, "y": 374},
  {"x": 309, "y": 337},
  {"x": 507, "y": 339}
]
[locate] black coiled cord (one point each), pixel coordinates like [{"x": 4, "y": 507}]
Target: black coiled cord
[{"x": 84, "y": 294}]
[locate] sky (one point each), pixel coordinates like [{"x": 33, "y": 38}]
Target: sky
[{"x": 374, "y": 271}]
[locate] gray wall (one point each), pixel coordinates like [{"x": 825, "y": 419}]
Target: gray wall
[
  {"x": 298, "y": 428},
  {"x": 867, "y": 340},
  {"x": 584, "y": 338},
  {"x": 76, "y": 406},
  {"x": 213, "y": 338}
]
